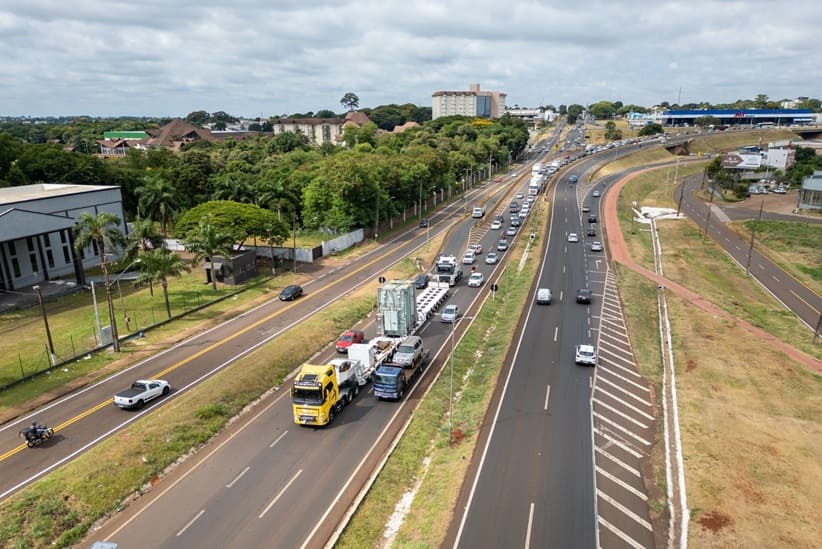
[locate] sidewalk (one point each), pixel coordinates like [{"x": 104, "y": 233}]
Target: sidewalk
[{"x": 618, "y": 252}]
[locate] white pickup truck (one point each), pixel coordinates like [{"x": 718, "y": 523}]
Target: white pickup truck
[{"x": 140, "y": 392}]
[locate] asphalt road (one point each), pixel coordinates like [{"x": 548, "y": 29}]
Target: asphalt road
[{"x": 805, "y": 303}]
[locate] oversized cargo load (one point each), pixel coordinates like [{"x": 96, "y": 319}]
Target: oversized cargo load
[{"x": 396, "y": 309}]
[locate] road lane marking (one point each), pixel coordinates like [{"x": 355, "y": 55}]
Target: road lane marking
[
  {"x": 556, "y": 332},
  {"x": 280, "y": 493},
  {"x": 621, "y": 483},
  {"x": 615, "y": 365},
  {"x": 625, "y": 511},
  {"x": 622, "y": 535},
  {"x": 530, "y": 524},
  {"x": 772, "y": 276},
  {"x": 278, "y": 439},
  {"x": 619, "y": 427},
  {"x": 638, "y": 398},
  {"x": 230, "y": 484},
  {"x": 607, "y": 455},
  {"x": 547, "y": 396},
  {"x": 622, "y": 414},
  {"x": 805, "y": 302},
  {"x": 622, "y": 378},
  {"x": 198, "y": 515}
]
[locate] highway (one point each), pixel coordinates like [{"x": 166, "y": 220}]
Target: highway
[{"x": 805, "y": 303}]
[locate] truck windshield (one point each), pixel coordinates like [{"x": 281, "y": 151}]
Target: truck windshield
[
  {"x": 385, "y": 379},
  {"x": 307, "y": 396}
]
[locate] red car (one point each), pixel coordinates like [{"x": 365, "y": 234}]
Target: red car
[{"x": 348, "y": 338}]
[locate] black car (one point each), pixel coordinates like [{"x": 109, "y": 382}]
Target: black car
[
  {"x": 424, "y": 223},
  {"x": 290, "y": 293},
  {"x": 591, "y": 230},
  {"x": 583, "y": 295},
  {"x": 421, "y": 282},
  {"x": 592, "y": 218}
]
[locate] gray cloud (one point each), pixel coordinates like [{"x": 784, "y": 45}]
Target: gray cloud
[{"x": 253, "y": 57}]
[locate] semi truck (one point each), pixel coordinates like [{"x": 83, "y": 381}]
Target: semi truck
[
  {"x": 447, "y": 269},
  {"x": 320, "y": 392},
  {"x": 393, "y": 378}
]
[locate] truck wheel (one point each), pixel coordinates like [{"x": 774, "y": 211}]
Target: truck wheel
[
  {"x": 332, "y": 413},
  {"x": 356, "y": 390},
  {"x": 401, "y": 393},
  {"x": 139, "y": 404},
  {"x": 166, "y": 390}
]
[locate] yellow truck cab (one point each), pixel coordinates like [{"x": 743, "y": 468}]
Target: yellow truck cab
[{"x": 319, "y": 393}]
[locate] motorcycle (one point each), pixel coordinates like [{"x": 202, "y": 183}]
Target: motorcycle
[{"x": 36, "y": 434}]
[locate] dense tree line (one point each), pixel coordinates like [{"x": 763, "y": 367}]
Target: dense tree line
[{"x": 335, "y": 187}]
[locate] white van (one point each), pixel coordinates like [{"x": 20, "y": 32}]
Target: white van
[
  {"x": 478, "y": 213},
  {"x": 544, "y": 296}
]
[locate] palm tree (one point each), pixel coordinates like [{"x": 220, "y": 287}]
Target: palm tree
[
  {"x": 103, "y": 229},
  {"x": 142, "y": 239},
  {"x": 206, "y": 242},
  {"x": 159, "y": 264},
  {"x": 157, "y": 199}
]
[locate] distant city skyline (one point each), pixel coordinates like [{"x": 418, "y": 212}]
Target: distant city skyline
[{"x": 254, "y": 58}]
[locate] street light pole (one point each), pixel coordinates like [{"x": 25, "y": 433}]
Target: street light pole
[
  {"x": 294, "y": 236},
  {"x": 420, "y": 202},
  {"x": 451, "y": 389},
  {"x": 52, "y": 354}
]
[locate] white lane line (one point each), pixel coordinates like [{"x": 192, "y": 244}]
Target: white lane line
[
  {"x": 618, "y": 443},
  {"x": 547, "y": 396},
  {"x": 622, "y": 535},
  {"x": 643, "y": 413},
  {"x": 560, "y": 295},
  {"x": 622, "y": 484},
  {"x": 619, "y": 427},
  {"x": 279, "y": 438},
  {"x": 615, "y": 365},
  {"x": 530, "y": 524},
  {"x": 244, "y": 471},
  {"x": 280, "y": 493},
  {"x": 633, "y": 470},
  {"x": 621, "y": 350},
  {"x": 180, "y": 533},
  {"x": 563, "y": 267},
  {"x": 621, "y": 378},
  {"x": 620, "y": 414},
  {"x": 628, "y": 393},
  {"x": 556, "y": 332},
  {"x": 772, "y": 276},
  {"x": 625, "y": 511}
]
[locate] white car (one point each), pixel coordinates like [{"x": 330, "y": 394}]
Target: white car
[
  {"x": 468, "y": 258},
  {"x": 140, "y": 392},
  {"x": 520, "y": 196},
  {"x": 450, "y": 313},
  {"x": 475, "y": 280},
  {"x": 585, "y": 354},
  {"x": 496, "y": 225},
  {"x": 512, "y": 231},
  {"x": 476, "y": 248},
  {"x": 573, "y": 237},
  {"x": 596, "y": 246},
  {"x": 544, "y": 296},
  {"x": 491, "y": 258}
]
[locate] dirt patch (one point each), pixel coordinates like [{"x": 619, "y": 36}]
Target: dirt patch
[
  {"x": 457, "y": 436},
  {"x": 714, "y": 520},
  {"x": 690, "y": 366}
]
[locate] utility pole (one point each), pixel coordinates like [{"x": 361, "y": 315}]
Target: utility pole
[
  {"x": 52, "y": 354},
  {"x": 420, "y": 202},
  {"x": 710, "y": 204},
  {"x": 294, "y": 235},
  {"x": 753, "y": 232}
]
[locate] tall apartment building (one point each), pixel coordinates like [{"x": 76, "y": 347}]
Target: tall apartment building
[{"x": 485, "y": 104}]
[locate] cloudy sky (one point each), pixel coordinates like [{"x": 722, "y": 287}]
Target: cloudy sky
[{"x": 272, "y": 57}]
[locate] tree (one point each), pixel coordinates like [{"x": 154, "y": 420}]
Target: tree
[
  {"x": 651, "y": 129},
  {"x": 143, "y": 239},
  {"x": 611, "y": 131},
  {"x": 206, "y": 242},
  {"x": 156, "y": 266},
  {"x": 103, "y": 230},
  {"x": 157, "y": 199},
  {"x": 350, "y": 101}
]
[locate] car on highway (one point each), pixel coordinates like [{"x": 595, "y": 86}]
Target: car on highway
[
  {"x": 475, "y": 280},
  {"x": 592, "y": 218},
  {"x": 543, "y": 296},
  {"x": 592, "y": 230},
  {"x": 586, "y": 208},
  {"x": 512, "y": 231},
  {"x": 421, "y": 282},
  {"x": 573, "y": 237},
  {"x": 348, "y": 338},
  {"x": 450, "y": 313},
  {"x": 291, "y": 292},
  {"x": 468, "y": 258},
  {"x": 513, "y": 207},
  {"x": 491, "y": 258},
  {"x": 502, "y": 245},
  {"x": 596, "y": 246},
  {"x": 424, "y": 223},
  {"x": 585, "y": 354},
  {"x": 572, "y": 179},
  {"x": 496, "y": 225},
  {"x": 515, "y": 221},
  {"x": 476, "y": 248},
  {"x": 497, "y": 179},
  {"x": 140, "y": 392},
  {"x": 520, "y": 196},
  {"x": 596, "y": 193},
  {"x": 583, "y": 295}
]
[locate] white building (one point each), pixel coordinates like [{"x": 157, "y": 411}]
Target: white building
[
  {"x": 36, "y": 221},
  {"x": 484, "y": 104}
]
